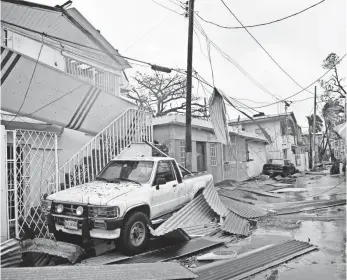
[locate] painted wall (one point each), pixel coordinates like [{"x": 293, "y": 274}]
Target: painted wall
[
  {"x": 257, "y": 152},
  {"x": 173, "y": 135}
]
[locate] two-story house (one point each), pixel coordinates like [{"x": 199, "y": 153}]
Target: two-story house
[
  {"x": 62, "y": 115},
  {"x": 283, "y": 129}
]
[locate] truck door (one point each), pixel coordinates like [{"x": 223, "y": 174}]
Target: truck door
[{"x": 165, "y": 196}]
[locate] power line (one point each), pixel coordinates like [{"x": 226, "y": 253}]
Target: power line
[
  {"x": 317, "y": 80},
  {"x": 167, "y": 8},
  {"x": 279, "y": 66},
  {"x": 260, "y": 24},
  {"x": 227, "y": 57}
]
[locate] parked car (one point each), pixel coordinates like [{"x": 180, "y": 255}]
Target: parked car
[
  {"x": 281, "y": 167},
  {"x": 126, "y": 196}
]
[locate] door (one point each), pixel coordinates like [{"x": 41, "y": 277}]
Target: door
[
  {"x": 165, "y": 196},
  {"x": 201, "y": 156}
]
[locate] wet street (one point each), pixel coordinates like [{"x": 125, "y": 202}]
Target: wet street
[{"x": 328, "y": 234}]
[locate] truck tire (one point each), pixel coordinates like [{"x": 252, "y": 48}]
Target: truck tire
[{"x": 134, "y": 234}]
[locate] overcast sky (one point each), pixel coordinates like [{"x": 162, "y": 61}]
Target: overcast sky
[{"x": 145, "y": 30}]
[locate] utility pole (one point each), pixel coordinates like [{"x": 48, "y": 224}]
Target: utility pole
[
  {"x": 314, "y": 128},
  {"x": 189, "y": 87}
]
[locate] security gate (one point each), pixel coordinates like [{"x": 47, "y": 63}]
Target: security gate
[{"x": 32, "y": 167}]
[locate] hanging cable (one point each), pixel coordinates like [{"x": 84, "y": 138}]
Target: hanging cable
[
  {"x": 279, "y": 66},
  {"x": 260, "y": 24}
]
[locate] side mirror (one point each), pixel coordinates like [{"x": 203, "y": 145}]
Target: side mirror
[{"x": 160, "y": 181}]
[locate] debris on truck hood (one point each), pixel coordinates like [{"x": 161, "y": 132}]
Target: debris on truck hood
[
  {"x": 64, "y": 250},
  {"x": 148, "y": 271},
  {"x": 11, "y": 255}
]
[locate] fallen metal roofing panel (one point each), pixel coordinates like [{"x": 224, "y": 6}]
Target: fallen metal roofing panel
[
  {"x": 174, "y": 252},
  {"x": 201, "y": 230},
  {"x": 236, "y": 195},
  {"x": 196, "y": 212},
  {"x": 251, "y": 263},
  {"x": 104, "y": 259},
  {"x": 149, "y": 271},
  {"x": 244, "y": 210},
  {"x": 221, "y": 236},
  {"x": 310, "y": 206},
  {"x": 11, "y": 255},
  {"x": 258, "y": 191},
  {"x": 236, "y": 224},
  {"x": 212, "y": 198},
  {"x": 60, "y": 249}
]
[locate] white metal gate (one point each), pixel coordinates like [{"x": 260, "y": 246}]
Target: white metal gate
[{"x": 32, "y": 167}]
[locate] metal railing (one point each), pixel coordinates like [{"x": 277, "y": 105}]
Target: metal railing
[{"x": 134, "y": 125}]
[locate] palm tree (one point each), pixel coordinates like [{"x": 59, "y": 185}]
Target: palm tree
[{"x": 333, "y": 114}]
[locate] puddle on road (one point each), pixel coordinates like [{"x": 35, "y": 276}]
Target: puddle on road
[{"x": 329, "y": 262}]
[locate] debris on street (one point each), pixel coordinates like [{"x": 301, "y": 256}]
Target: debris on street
[
  {"x": 46, "y": 247},
  {"x": 11, "y": 255},
  {"x": 148, "y": 271},
  {"x": 174, "y": 252},
  {"x": 253, "y": 262},
  {"x": 236, "y": 224},
  {"x": 285, "y": 190},
  {"x": 217, "y": 255}
]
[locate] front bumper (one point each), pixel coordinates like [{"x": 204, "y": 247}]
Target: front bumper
[{"x": 87, "y": 228}]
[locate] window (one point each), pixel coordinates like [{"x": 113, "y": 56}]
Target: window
[
  {"x": 165, "y": 171},
  {"x": 97, "y": 77},
  {"x": 178, "y": 175},
  {"x": 183, "y": 153},
  {"x": 213, "y": 154}
]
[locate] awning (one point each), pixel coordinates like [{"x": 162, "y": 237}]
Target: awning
[{"x": 55, "y": 97}]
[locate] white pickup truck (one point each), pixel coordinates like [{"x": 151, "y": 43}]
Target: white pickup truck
[{"x": 126, "y": 196}]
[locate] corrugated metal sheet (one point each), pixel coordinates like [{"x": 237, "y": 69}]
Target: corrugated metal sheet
[
  {"x": 201, "y": 230},
  {"x": 104, "y": 259},
  {"x": 236, "y": 195},
  {"x": 11, "y": 255},
  {"x": 310, "y": 206},
  {"x": 211, "y": 196},
  {"x": 258, "y": 191},
  {"x": 244, "y": 210},
  {"x": 151, "y": 271},
  {"x": 64, "y": 250},
  {"x": 196, "y": 212},
  {"x": 252, "y": 263},
  {"x": 221, "y": 236},
  {"x": 174, "y": 252},
  {"x": 236, "y": 224}
]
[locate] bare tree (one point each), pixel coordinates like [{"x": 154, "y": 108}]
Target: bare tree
[{"x": 163, "y": 94}]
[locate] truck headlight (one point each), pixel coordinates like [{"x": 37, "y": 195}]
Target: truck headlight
[
  {"x": 104, "y": 212},
  {"x": 46, "y": 205},
  {"x": 60, "y": 208},
  {"x": 79, "y": 210}
]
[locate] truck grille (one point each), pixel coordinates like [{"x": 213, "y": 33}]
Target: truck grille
[{"x": 69, "y": 209}]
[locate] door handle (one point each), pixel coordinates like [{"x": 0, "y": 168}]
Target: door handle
[{"x": 175, "y": 185}]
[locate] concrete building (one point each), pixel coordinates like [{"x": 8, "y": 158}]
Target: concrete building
[
  {"x": 283, "y": 129},
  {"x": 244, "y": 158}
]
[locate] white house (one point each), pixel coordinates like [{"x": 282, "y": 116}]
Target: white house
[{"x": 62, "y": 115}]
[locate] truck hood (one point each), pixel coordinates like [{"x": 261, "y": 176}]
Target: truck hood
[{"x": 95, "y": 193}]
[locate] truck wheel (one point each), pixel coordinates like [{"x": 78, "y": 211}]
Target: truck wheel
[{"x": 134, "y": 234}]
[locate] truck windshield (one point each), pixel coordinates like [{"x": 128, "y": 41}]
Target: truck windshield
[
  {"x": 276, "y": 161},
  {"x": 127, "y": 170}
]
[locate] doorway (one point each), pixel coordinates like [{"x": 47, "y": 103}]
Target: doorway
[{"x": 201, "y": 156}]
